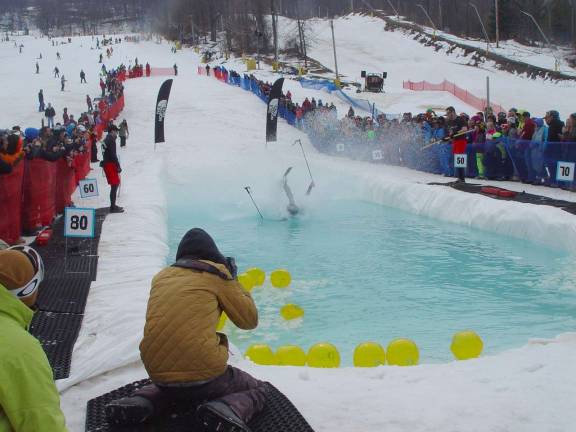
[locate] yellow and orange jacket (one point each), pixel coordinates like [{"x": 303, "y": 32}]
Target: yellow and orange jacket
[{"x": 180, "y": 343}]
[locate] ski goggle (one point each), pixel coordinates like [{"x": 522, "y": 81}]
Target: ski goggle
[{"x": 31, "y": 287}]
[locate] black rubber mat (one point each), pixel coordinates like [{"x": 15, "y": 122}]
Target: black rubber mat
[
  {"x": 71, "y": 266},
  {"x": 521, "y": 197},
  {"x": 57, "y": 332},
  {"x": 64, "y": 295},
  {"x": 279, "y": 415}
]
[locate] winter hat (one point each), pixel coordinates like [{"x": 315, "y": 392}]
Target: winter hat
[
  {"x": 539, "y": 122},
  {"x": 197, "y": 244},
  {"x": 554, "y": 114},
  {"x": 16, "y": 270}
]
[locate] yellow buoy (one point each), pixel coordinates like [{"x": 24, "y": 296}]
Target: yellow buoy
[
  {"x": 290, "y": 355},
  {"x": 466, "y": 345},
  {"x": 258, "y": 275},
  {"x": 369, "y": 354},
  {"x": 260, "y": 354},
  {"x": 402, "y": 352},
  {"x": 246, "y": 281},
  {"x": 222, "y": 321},
  {"x": 280, "y": 278},
  {"x": 291, "y": 311},
  {"x": 323, "y": 355}
]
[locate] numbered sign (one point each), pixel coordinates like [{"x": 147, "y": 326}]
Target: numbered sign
[
  {"x": 79, "y": 222},
  {"x": 340, "y": 147},
  {"x": 565, "y": 171},
  {"x": 460, "y": 160},
  {"x": 88, "y": 188},
  {"x": 377, "y": 155}
]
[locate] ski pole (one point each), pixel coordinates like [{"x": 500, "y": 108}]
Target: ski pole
[
  {"x": 445, "y": 140},
  {"x": 247, "y": 189},
  {"x": 307, "y": 165}
]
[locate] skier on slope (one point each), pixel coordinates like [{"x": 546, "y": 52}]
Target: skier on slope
[{"x": 292, "y": 208}]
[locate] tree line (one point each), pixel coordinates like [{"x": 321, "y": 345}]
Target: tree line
[{"x": 247, "y": 26}]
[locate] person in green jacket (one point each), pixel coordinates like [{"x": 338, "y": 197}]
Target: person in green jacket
[{"x": 29, "y": 401}]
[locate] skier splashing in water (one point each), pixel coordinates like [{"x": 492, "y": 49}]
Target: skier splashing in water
[{"x": 292, "y": 208}]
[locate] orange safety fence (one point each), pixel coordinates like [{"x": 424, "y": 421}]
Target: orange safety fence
[{"x": 464, "y": 95}]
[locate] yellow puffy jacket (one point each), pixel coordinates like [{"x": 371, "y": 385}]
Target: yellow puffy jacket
[{"x": 180, "y": 341}]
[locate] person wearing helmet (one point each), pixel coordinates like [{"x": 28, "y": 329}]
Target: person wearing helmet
[{"x": 29, "y": 400}]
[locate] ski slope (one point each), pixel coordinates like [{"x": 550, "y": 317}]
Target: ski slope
[
  {"x": 214, "y": 137},
  {"x": 363, "y": 44}
]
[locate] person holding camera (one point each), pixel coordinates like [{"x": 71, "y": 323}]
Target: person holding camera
[
  {"x": 184, "y": 355},
  {"x": 111, "y": 166}
]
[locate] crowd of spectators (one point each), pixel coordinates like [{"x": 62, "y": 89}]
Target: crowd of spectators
[
  {"x": 499, "y": 146},
  {"x": 60, "y": 139}
]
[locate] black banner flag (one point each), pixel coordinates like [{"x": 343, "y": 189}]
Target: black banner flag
[
  {"x": 272, "y": 112},
  {"x": 161, "y": 105}
]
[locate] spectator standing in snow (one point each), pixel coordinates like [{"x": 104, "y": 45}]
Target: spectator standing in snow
[
  {"x": 89, "y": 103},
  {"x": 65, "y": 117},
  {"x": 111, "y": 166},
  {"x": 82, "y": 77},
  {"x": 103, "y": 87},
  {"x": 58, "y": 56},
  {"x": 40, "y": 100},
  {"x": 29, "y": 400},
  {"x": 175, "y": 69},
  {"x": 63, "y": 82},
  {"x": 100, "y": 61},
  {"x": 37, "y": 68},
  {"x": 56, "y": 72},
  {"x": 124, "y": 133},
  {"x": 147, "y": 69},
  {"x": 50, "y": 113}
]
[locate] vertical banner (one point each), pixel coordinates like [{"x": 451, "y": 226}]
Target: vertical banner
[
  {"x": 161, "y": 105},
  {"x": 272, "y": 112}
]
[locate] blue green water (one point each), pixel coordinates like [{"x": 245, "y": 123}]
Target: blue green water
[{"x": 367, "y": 272}]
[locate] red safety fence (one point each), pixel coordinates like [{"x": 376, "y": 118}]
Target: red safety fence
[
  {"x": 38, "y": 200},
  {"x": 65, "y": 185},
  {"x": 161, "y": 71},
  {"x": 464, "y": 95},
  {"x": 10, "y": 203}
]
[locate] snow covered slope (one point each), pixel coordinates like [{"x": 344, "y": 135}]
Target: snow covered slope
[
  {"x": 363, "y": 44},
  {"x": 215, "y": 136}
]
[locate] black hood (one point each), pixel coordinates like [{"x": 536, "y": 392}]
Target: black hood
[{"x": 197, "y": 244}]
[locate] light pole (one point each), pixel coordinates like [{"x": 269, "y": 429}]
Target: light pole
[
  {"x": 556, "y": 62},
  {"x": 497, "y": 17},
  {"x": 483, "y": 28},
  {"x": 335, "y": 58},
  {"x": 428, "y": 16}
]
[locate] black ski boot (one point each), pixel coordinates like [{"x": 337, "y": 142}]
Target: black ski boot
[
  {"x": 129, "y": 410},
  {"x": 217, "y": 416}
]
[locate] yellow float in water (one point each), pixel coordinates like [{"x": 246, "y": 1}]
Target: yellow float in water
[
  {"x": 280, "y": 278},
  {"x": 290, "y": 355},
  {"x": 323, "y": 355},
  {"x": 246, "y": 281},
  {"x": 260, "y": 354},
  {"x": 466, "y": 345},
  {"x": 222, "y": 321},
  {"x": 369, "y": 354},
  {"x": 258, "y": 275},
  {"x": 402, "y": 352},
  {"x": 291, "y": 311}
]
